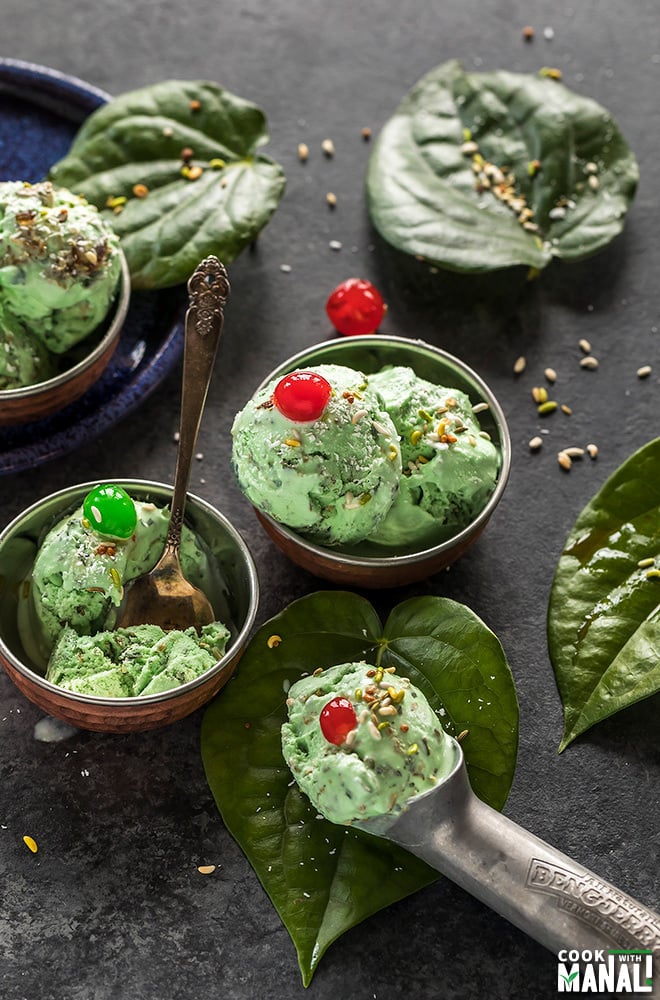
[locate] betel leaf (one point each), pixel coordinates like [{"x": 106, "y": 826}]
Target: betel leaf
[
  {"x": 604, "y": 610},
  {"x": 322, "y": 878},
  {"x": 183, "y": 155},
  {"x": 470, "y": 163}
]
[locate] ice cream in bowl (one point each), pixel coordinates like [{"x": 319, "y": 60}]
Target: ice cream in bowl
[
  {"x": 64, "y": 295},
  {"x": 372, "y": 461},
  {"x": 66, "y": 563}
]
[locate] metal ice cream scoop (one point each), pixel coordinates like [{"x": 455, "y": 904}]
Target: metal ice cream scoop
[
  {"x": 164, "y": 597},
  {"x": 552, "y": 898}
]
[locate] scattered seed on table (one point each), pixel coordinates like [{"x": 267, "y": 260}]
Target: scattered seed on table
[
  {"x": 550, "y": 374},
  {"x": 328, "y": 147},
  {"x": 31, "y": 844},
  {"x": 539, "y": 394},
  {"x": 331, "y": 199},
  {"x": 549, "y": 34},
  {"x": 644, "y": 371},
  {"x": 590, "y": 362},
  {"x": 564, "y": 460},
  {"x": 206, "y": 869},
  {"x": 573, "y": 452},
  {"x": 535, "y": 443},
  {"x": 303, "y": 152},
  {"x": 592, "y": 450},
  {"x": 585, "y": 346},
  {"x": 286, "y": 268},
  {"x": 528, "y": 33},
  {"x": 520, "y": 365},
  {"x": 335, "y": 244},
  {"x": 548, "y": 407},
  {"x": 366, "y": 133}
]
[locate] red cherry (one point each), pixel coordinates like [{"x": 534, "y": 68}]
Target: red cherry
[
  {"x": 355, "y": 307},
  {"x": 302, "y": 395},
  {"x": 338, "y": 718}
]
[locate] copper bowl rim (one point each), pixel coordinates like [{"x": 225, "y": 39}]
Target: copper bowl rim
[
  {"x": 120, "y": 305},
  {"x": 442, "y": 548},
  {"x": 72, "y": 493}
]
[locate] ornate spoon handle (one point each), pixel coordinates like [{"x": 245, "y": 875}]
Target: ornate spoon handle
[{"x": 208, "y": 290}]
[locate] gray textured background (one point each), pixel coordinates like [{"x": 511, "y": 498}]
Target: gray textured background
[{"x": 113, "y": 907}]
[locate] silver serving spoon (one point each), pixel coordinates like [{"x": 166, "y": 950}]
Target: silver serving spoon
[
  {"x": 163, "y": 596},
  {"x": 554, "y": 899}
]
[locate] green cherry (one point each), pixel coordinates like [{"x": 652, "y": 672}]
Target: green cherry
[{"x": 110, "y": 511}]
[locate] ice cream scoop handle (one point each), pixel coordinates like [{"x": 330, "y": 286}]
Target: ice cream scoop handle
[
  {"x": 208, "y": 290},
  {"x": 552, "y": 898}
]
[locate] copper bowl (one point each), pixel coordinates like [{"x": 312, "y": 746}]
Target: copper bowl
[
  {"x": 359, "y": 566},
  {"x": 42, "y": 399},
  {"x": 235, "y": 602}
]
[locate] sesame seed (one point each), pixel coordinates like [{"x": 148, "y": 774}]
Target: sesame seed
[
  {"x": 550, "y": 374},
  {"x": 535, "y": 443},
  {"x": 519, "y": 365},
  {"x": 585, "y": 346},
  {"x": 303, "y": 152},
  {"x": 331, "y": 199},
  {"x": 335, "y": 245},
  {"x": 328, "y": 147},
  {"x": 644, "y": 371}
]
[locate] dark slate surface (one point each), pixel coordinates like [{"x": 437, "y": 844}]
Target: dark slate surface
[{"x": 113, "y": 906}]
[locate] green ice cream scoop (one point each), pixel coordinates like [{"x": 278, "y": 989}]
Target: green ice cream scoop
[
  {"x": 450, "y": 466},
  {"x": 360, "y": 741},
  {"x": 59, "y": 263},
  {"x": 128, "y": 662},
  {"x": 330, "y": 472},
  {"x": 23, "y": 358},
  {"x": 79, "y": 574}
]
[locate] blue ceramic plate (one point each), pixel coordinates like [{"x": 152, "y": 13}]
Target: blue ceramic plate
[{"x": 40, "y": 112}]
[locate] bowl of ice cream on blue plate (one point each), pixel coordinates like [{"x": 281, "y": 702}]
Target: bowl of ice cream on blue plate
[
  {"x": 64, "y": 295},
  {"x": 372, "y": 461},
  {"x": 66, "y": 564}
]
